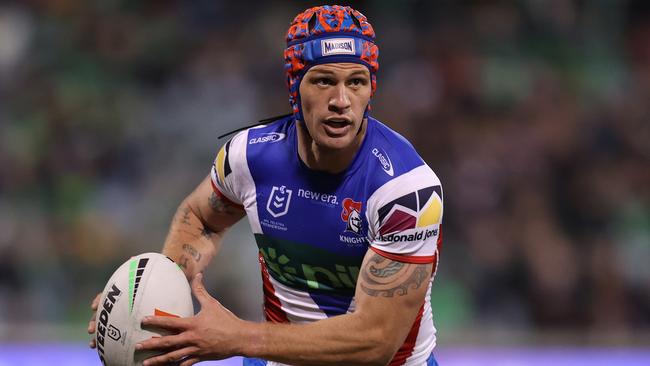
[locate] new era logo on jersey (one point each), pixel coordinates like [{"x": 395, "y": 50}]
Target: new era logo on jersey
[
  {"x": 351, "y": 215},
  {"x": 415, "y": 210},
  {"x": 324, "y": 198},
  {"x": 279, "y": 200},
  {"x": 384, "y": 160},
  {"x": 267, "y": 137}
]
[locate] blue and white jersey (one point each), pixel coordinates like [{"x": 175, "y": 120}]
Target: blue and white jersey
[{"x": 313, "y": 228}]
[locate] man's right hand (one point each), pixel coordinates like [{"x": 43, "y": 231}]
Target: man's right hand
[{"x": 91, "y": 324}]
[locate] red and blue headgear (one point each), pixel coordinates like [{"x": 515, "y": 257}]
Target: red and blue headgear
[{"x": 327, "y": 34}]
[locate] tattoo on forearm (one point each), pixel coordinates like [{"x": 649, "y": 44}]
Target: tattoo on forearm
[
  {"x": 185, "y": 216},
  {"x": 187, "y": 232},
  {"x": 183, "y": 261},
  {"x": 388, "y": 278},
  {"x": 185, "y": 219},
  {"x": 196, "y": 255},
  {"x": 207, "y": 233}
]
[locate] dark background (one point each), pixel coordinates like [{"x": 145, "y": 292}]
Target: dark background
[{"x": 534, "y": 114}]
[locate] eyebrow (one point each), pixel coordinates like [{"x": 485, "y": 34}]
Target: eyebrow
[
  {"x": 363, "y": 72},
  {"x": 353, "y": 73}
]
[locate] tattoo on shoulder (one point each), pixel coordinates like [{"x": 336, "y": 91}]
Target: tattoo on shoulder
[
  {"x": 388, "y": 278},
  {"x": 218, "y": 204}
]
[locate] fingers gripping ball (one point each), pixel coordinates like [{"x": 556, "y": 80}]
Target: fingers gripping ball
[{"x": 147, "y": 284}]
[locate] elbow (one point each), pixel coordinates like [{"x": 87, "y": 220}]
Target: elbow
[
  {"x": 384, "y": 355},
  {"x": 379, "y": 360},
  {"x": 378, "y": 357},
  {"x": 382, "y": 348}
]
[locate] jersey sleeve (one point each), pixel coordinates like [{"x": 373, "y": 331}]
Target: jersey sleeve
[
  {"x": 404, "y": 217},
  {"x": 229, "y": 170}
]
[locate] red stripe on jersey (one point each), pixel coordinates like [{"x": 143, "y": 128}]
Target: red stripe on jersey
[
  {"x": 272, "y": 305},
  {"x": 437, "y": 255},
  {"x": 424, "y": 259},
  {"x": 223, "y": 197},
  {"x": 406, "y": 350}
]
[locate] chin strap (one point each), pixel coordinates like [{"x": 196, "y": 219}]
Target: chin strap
[
  {"x": 361, "y": 126},
  {"x": 367, "y": 111}
]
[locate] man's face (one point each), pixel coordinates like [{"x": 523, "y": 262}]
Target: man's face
[{"x": 334, "y": 98}]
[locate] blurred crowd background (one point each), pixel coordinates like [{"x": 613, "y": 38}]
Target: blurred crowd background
[{"x": 535, "y": 114}]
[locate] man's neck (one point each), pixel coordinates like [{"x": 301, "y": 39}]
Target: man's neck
[{"x": 320, "y": 158}]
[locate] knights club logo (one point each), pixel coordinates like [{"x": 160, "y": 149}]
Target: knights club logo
[
  {"x": 414, "y": 210},
  {"x": 279, "y": 200},
  {"x": 351, "y": 215}
]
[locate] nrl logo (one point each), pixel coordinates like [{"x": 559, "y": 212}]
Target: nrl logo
[
  {"x": 279, "y": 200},
  {"x": 351, "y": 215},
  {"x": 114, "y": 333}
]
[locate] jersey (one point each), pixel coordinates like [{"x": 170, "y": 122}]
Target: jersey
[{"x": 313, "y": 228}]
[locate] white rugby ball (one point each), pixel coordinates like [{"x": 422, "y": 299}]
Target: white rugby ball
[{"x": 147, "y": 284}]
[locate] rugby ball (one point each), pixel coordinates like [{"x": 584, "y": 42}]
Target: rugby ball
[{"x": 147, "y": 284}]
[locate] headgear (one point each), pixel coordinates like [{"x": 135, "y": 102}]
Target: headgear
[{"x": 327, "y": 34}]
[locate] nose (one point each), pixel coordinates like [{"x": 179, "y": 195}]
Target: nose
[{"x": 339, "y": 100}]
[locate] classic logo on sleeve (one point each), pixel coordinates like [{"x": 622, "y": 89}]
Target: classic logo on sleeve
[
  {"x": 384, "y": 160},
  {"x": 279, "y": 200},
  {"x": 415, "y": 210},
  {"x": 267, "y": 137}
]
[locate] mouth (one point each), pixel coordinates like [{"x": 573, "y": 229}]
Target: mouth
[{"x": 337, "y": 127}]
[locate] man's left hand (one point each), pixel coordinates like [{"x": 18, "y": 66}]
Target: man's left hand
[{"x": 212, "y": 334}]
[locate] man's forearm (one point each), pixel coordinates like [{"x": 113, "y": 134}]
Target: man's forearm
[
  {"x": 388, "y": 297},
  {"x": 189, "y": 243},
  {"x": 340, "y": 340}
]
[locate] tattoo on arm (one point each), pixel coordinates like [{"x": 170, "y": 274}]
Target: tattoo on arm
[
  {"x": 189, "y": 249},
  {"x": 388, "y": 278},
  {"x": 185, "y": 217},
  {"x": 218, "y": 204},
  {"x": 182, "y": 261},
  {"x": 207, "y": 233}
]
